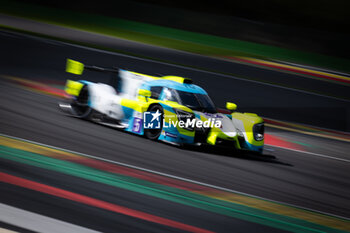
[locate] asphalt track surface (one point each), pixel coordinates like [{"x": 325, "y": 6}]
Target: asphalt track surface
[
  {"x": 317, "y": 102},
  {"x": 299, "y": 179}
]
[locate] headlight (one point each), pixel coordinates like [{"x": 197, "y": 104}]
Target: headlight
[
  {"x": 185, "y": 117},
  {"x": 258, "y": 131}
]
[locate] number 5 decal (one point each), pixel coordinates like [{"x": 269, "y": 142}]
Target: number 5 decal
[{"x": 137, "y": 125}]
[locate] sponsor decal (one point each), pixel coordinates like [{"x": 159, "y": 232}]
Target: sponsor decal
[
  {"x": 137, "y": 125},
  {"x": 152, "y": 120},
  {"x": 170, "y": 135}
]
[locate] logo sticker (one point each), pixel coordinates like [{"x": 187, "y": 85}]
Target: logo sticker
[{"x": 152, "y": 120}]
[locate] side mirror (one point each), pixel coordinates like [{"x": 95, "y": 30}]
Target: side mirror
[
  {"x": 145, "y": 93},
  {"x": 231, "y": 106}
]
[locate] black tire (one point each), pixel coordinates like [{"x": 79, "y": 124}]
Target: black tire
[
  {"x": 154, "y": 134},
  {"x": 80, "y": 105}
]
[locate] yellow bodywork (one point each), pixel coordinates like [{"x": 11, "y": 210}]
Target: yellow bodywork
[
  {"x": 73, "y": 87},
  {"x": 249, "y": 120},
  {"x": 231, "y": 106},
  {"x": 74, "y": 67},
  {"x": 176, "y": 79},
  {"x": 216, "y": 133}
]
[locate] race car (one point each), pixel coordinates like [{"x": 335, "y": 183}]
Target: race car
[{"x": 168, "y": 108}]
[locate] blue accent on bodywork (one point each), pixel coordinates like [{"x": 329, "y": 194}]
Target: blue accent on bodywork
[
  {"x": 128, "y": 112},
  {"x": 179, "y": 139},
  {"x": 196, "y": 115},
  {"x": 85, "y": 82},
  {"x": 247, "y": 146},
  {"x": 174, "y": 85}
]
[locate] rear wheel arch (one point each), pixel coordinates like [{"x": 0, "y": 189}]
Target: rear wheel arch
[{"x": 81, "y": 103}]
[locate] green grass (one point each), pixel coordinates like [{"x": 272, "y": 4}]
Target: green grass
[{"x": 170, "y": 37}]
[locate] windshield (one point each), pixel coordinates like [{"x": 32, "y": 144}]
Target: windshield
[{"x": 197, "y": 102}]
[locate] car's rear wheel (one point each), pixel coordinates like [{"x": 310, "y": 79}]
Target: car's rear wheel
[
  {"x": 154, "y": 134},
  {"x": 81, "y": 106}
]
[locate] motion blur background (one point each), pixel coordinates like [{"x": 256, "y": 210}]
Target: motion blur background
[
  {"x": 305, "y": 34},
  {"x": 320, "y": 26},
  {"x": 288, "y": 61}
]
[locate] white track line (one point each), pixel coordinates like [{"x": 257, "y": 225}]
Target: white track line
[
  {"x": 312, "y": 153},
  {"x": 36, "y": 222},
  {"x": 174, "y": 177}
]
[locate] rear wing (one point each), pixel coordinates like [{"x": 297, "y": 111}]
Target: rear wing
[
  {"x": 124, "y": 82},
  {"x": 77, "y": 68}
]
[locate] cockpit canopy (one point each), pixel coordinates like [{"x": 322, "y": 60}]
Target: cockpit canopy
[{"x": 195, "y": 101}]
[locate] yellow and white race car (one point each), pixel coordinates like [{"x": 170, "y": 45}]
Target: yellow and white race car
[{"x": 167, "y": 108}]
